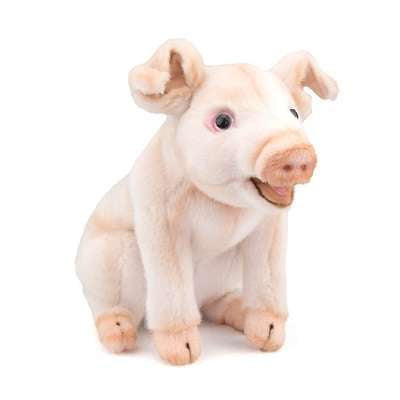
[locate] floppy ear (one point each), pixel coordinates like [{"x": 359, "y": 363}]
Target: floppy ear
[
  {"x": 299, "y": 70},
  {"x": 166, "y": 82}
]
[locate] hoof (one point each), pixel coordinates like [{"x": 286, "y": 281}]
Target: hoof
[
  {"x": 264, "y": 330},
  {"x": 116, "y": 330},
  {"x": 178, "y": 348}
]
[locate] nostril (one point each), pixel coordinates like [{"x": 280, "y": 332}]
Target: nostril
[{"x": 287, "y": 167}]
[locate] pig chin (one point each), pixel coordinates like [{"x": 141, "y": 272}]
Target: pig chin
[{"x": 280, "y": 196}]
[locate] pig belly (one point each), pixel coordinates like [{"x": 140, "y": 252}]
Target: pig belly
[
  {"x": 216, "y": 250},
  {"x": 218, "y": 276}
]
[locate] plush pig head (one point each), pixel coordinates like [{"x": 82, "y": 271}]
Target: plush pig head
[{"x": 238, "y": 128}]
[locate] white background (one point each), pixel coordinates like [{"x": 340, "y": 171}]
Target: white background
[{"x": 69, "y": 130}]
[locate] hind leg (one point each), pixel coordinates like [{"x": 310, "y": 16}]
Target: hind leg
[
  {"x": 227, "y": 310},
  {"x": 109, "y": 267}
]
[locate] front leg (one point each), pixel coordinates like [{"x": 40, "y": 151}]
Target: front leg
[
  {"x": 264, "y": 284},
  {"x": 171, "y": 309}
]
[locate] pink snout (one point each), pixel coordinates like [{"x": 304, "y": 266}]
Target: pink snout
[{"x": 290, "y": 166}]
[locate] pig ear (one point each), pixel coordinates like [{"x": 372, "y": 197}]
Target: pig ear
[
  {"x": 166, "y": 82},
  {"x": 299, "y": 70}
]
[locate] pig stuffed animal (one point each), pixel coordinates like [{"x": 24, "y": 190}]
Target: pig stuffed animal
[{"x": 198, "y": 227}]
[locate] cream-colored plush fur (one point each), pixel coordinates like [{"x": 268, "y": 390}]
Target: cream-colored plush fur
[{"x": 199, "y": 224}]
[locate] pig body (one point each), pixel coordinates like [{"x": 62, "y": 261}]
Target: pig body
[{"x": 198, "y": 227}]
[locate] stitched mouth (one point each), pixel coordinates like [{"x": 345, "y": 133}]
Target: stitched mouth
[{"x": 280, "y": 196}]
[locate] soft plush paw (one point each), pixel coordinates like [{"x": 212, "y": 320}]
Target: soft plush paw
[
  {"x": 265, "y": 330},
  {"x": 227, "y": 310},
  {"x": 234, "y": 314},
  {"x": 178, "y": 348},
  {"x": 116, "y": 330}
]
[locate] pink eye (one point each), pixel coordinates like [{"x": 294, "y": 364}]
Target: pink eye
[{"x": 223, "y": 121}]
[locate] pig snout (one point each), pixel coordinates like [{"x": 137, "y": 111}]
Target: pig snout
[{"x": 290, "y": 166}]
